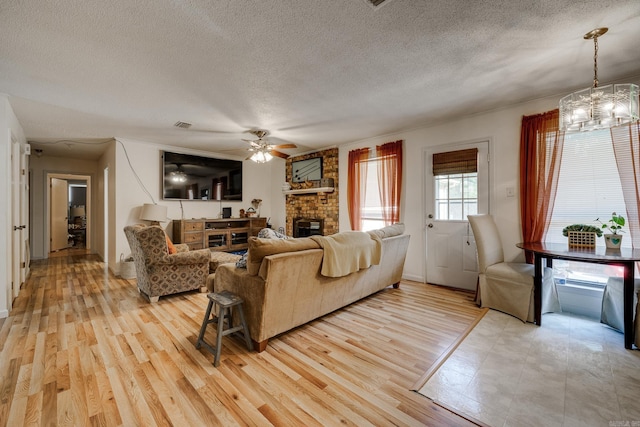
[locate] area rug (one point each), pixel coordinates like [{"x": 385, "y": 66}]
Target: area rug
[{"x": 571, "y": 371}]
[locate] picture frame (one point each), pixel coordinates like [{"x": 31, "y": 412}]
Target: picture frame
[{"x": 306, "y": 170}]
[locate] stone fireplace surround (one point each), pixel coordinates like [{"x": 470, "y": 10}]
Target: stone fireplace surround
[{"x": 312, "y": 206}]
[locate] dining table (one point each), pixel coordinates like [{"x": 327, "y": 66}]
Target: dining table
[{"x": 623, "y": 257}]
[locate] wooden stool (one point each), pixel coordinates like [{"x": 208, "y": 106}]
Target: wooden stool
[{"x": 225, "y": 301}]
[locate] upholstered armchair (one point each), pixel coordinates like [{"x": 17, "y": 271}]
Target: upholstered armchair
[
  {"x": 507, "y": 286},
  {"x": 160, "y": 273},
  {"x": 613, "y": 306}
]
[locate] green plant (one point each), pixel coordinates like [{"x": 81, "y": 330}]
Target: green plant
[
  {"x": 582, "y": 227},
  {"x": 615, "y": 223}
]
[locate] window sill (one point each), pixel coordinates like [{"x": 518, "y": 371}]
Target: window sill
[{"x": 581, "y": 288}]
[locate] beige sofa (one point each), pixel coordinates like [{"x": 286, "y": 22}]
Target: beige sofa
[{"x": 283, "y": 287}]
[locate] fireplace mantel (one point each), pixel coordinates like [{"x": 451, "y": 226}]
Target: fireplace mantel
[{"x": 310, "y": 190}]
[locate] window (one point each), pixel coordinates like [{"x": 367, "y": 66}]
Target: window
[
  {"x": 374, "y": 186},
  {"x": 456, "y": 196},
  {"x": 371, "y": 214},
  {"x": 588, "y": 188},
  {"x": 456, "y": 184}
]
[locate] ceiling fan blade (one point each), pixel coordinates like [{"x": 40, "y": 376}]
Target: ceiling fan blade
[
  {"x": 254, "y": 144},
  {"x": 278, "y": 154},
  {"x": 285, "y": 146}
]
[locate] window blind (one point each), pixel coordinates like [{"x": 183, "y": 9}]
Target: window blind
[
  {"x": 454, "y": 162},
  {"x": 588, "y": 186}
]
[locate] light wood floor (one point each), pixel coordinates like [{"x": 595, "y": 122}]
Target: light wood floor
[{"x": 82, "y": 347}]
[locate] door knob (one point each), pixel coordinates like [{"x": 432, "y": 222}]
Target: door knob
[
  {"x": 430, "y": 225},
  {"x": 430, "y": 215}
]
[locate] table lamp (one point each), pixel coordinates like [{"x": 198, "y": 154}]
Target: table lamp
[{"x": 153, "y": 213}]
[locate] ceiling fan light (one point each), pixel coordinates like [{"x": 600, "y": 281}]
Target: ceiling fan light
[
  {"x": 261, "y": 156},
  {"x": 178, "y": 176}
]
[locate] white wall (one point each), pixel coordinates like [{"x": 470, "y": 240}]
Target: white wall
[
  {"x": 10, "y": 129},
  {"x": 502, "y": 127},
  {"x": 258, "y": 182},
  {"x": 108, "y": 160}
]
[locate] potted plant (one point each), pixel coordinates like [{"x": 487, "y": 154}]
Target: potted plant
[
  {"x": 613, "y": 240},
  {"x": 581, "y": 235}
]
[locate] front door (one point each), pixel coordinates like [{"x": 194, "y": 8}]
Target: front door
[{"x": 450, "y": 197}]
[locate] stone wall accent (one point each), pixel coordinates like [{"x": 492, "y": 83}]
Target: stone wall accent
[{"x": 321, "y": 205}]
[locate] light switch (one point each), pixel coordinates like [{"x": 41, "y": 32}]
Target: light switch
[{"x": 511, "y": 191}]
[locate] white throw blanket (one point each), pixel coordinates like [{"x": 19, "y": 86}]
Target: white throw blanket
[{"x": 348, "y": 252}]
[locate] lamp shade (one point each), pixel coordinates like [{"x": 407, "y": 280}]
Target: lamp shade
[
  {"x": 77, "y": 211},
  {"x": 153, "y": 213}
]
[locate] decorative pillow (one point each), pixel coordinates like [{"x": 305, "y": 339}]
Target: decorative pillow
[
  {"x": 260, "y": 248},
  {"x": 268, "y": 233},
  {"x": 170, "y": 246},
  {"x": 389, "y": 231},
  {"x": 242, "y": 262}
]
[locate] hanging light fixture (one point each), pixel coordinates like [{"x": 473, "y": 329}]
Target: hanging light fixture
[
  {"x": 178, "y": 176},
  {"x": 262, "y": 155},
  {"x": 598, "y": 107}
]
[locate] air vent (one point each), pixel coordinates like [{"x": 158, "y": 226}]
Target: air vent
[
  {"x": 377, "y": 3},
  {"x": 183, "y": 125}
]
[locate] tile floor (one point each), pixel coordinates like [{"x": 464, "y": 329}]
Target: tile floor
[{"x": 572, "y": 371}]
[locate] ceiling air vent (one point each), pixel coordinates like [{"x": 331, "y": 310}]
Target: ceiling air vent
[
  {"x": 377, "y": 3},
  {"x": 183, "y": 125}
]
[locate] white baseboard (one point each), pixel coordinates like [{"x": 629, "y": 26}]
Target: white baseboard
[
  {"x": 413, "y": 278},
  {"x": 4, "y": 313}
]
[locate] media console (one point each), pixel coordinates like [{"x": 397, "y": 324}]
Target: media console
[{"x": 227, "y": 234}]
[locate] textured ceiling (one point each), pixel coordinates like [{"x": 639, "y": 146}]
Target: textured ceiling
[{"x": 316, "y": 73}]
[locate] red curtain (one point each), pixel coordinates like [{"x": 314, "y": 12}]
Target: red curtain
[
  {"x": 541, "y": 145},
  {"x": 356, "y": 180},
  {"x": 626, "y": 148},
  {"x": 389, "y": 157}
]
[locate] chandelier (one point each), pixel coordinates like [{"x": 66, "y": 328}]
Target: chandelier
[{"x": 598, "y": 107}]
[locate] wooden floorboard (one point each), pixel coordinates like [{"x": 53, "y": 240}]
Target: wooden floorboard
[{"x": 82, "y": 347}]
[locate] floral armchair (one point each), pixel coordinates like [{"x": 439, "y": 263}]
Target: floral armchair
[{"x": 160, "y": 273}]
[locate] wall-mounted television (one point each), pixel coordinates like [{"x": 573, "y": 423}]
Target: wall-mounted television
[{"x": 189, "y": 177}]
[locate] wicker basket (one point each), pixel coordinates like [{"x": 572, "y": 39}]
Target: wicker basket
[
  {"x": 127, "y": 268},
  {"x": 582, "y": 239}
]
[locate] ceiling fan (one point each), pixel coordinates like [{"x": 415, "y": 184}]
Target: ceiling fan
[{"x": 262, "y": 151}]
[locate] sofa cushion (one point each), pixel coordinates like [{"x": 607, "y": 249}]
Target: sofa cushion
[
  {"x": 389, "y": 231},
  {"x": 260, "y": 248}
]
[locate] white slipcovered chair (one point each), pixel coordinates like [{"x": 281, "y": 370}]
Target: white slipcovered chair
[
  {"x": 507, "y": 286},
  {"x": 613, "y": 306}
]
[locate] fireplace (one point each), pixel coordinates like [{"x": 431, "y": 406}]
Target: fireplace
[{"x": 305, "y": 227}]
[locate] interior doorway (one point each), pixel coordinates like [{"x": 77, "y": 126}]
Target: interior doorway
[{"x": 69, "y": 212}]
